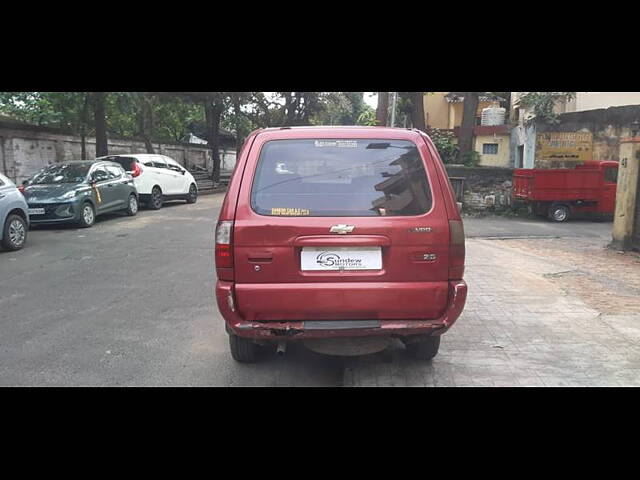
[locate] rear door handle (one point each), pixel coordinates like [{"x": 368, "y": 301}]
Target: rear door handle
[{"x": 260, "y": 259}]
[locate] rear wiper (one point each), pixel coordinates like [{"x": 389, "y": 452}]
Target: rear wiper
[{"x": 378, "y": 146}]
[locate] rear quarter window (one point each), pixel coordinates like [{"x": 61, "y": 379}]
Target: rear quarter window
[{"x": 340, "y": 177}]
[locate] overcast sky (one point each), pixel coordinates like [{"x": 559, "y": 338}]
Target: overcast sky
[{"x": 371, "y": 98}]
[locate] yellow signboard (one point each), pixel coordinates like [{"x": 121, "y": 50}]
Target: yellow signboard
[{"x": 564, "y": 146}]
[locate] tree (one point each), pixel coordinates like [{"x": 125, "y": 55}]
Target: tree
[
  {"x": 382, "y": 112},
  {"x": 469, "y": 112},
  {"x": 417, "y": 110},
  {"x": 100, "y": 120},
  {"x": 340, "y": 108},
  {"x": 542, "y": 104},
  {"x": 146, "y": 121}
]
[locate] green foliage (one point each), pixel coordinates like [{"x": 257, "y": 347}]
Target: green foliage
[
  {"x": 542, "y": 104},
  {"x": 470, "y": 159},
  {"x": 340, "y": 108},
  {"x": 444, "y": 140},
  {"x": 56, "y": 109},
  {"x": 368, "y": 118},
  {"x": 172, "y": 115}
]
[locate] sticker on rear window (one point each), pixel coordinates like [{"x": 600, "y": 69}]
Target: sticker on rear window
[
  {"x": 337, "y": 143},
  {"x": 292, "y": 212}
]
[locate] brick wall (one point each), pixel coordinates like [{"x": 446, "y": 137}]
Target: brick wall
[{"x": 483, "y": 188}]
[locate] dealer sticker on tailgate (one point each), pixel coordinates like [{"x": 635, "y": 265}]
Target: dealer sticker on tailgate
[{"x": 341, "y": 258}]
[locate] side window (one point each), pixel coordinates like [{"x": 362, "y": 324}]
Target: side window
[
  {"x": 173, "y": 165},
  {"x": 1, "y": 183},
  {"x": 147, "y": 162},
  {"x": 159, "y": 162},
  {"x": 611, "y": 175},
  {"x": 99, "y": 174}
]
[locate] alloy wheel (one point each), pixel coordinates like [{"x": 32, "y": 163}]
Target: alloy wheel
[
  {"x": 133, "y": 204},
  {"x": 87, "y": 214},
  {"x": 156, "y": 198},
  {"x": 17, "y": 233},
  {"x": 560, "y": 215}
]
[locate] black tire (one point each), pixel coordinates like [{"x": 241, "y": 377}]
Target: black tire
[
  {"x": 243, "y": 350},
  {"x": 87, "y": 220},
  {"x": 193, "y": 194},
  {"x": 559, "y": 213},
  {"x": 155, "y": 202},
  {"x": 14, "y": 233},
  {"x": 132, "y": 206},
  {"x": 425, "y": 349}
]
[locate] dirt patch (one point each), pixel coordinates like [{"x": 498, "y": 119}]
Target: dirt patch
[{"x": 605, "y": 279}]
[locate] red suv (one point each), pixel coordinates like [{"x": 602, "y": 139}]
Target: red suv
[{"x": 339, "y": 232}]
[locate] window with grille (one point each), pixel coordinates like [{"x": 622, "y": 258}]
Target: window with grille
[{"x": 490, "y": 148}]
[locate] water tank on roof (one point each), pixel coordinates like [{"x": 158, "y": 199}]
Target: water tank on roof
[{"x": 493, "y": 116}]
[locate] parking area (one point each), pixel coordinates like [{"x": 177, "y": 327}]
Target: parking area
[{"x": 130, "y": 302}]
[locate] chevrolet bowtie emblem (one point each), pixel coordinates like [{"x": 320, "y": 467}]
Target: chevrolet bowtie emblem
[{"x": 342, "y": 229}]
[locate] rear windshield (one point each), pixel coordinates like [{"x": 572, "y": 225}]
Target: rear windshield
[
  {"x": 125, "y": 162},
  {"x": 341, "y": 178}
]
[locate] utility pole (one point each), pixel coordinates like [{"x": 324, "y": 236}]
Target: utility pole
[{"x": 393, "y": 109}]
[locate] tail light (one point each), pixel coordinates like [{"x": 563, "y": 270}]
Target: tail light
[
  {"x": 137, "y": 170},
  {"x": 224, "y": 247},
  {"x": 456, "y": 250},
  {"x": 21, "y": 188}
]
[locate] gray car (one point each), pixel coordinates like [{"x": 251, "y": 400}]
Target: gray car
[
  {"x": 77, "y": 192},
  {"x": 14, "y": 219}
]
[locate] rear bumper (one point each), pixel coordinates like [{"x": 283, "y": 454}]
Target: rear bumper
[{"x": 271, "y": 330}]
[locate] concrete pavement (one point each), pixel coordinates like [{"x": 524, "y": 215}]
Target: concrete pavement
[{"x": 130, "y": 302}]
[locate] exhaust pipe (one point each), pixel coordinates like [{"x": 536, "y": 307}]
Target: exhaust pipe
[{"x": 282, "y": 348}]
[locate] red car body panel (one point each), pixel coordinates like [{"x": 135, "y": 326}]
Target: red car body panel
[
  {"x": 585, "y": 184},
  {"x": 266, "y": 292}
]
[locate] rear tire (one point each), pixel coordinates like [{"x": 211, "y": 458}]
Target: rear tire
[
  {"x": 425, "y": 349},
  {"x": 243, "y": 350},
  {"x": 155, "y": 202},
  {"x": 14, "y": 234},
  {"x": 193, "y": 194},
  {"x": 132, "y": 205},
  {"x": 559, "y": 213}
]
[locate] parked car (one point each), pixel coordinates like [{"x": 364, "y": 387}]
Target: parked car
[
  {"x": 339, "y": 232},
  {"x": 158, "y": 178},
  {"x": 562, "y": 192},
  {"x": 77, "y": 192},
  {"x": 14, "y": 216}
]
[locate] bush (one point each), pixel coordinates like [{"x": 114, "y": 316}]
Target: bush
[
  {"x": 471, "y": 159},
  {"x": 444, "y": 140}
]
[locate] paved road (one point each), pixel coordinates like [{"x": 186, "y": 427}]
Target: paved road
[
  {"x": 535, "y": 227},
  {"x": 129, "y": 302}
]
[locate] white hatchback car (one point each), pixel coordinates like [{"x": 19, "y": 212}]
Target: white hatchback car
[{"x": 157, "y": 178}]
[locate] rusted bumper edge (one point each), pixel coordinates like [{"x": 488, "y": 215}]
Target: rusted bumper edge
[{"x": 296, "y": 329}]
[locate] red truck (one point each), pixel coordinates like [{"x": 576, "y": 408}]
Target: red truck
[{"x": 560, "y": 193}]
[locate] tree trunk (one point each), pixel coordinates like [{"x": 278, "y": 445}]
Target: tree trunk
[
  {"x": 382, "y": 112},
  {"x": 213, "y": 112},
  {"x": 417, "y": 110},
  {"x": 290, "y": 108},
  {"x": 237, "y": 113},
  {"x": 470, "y": 108},
  {"x": 99, "y": 116},
  {"x": 83, "y": 127},
  {"x": 146, "y": 123}
]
